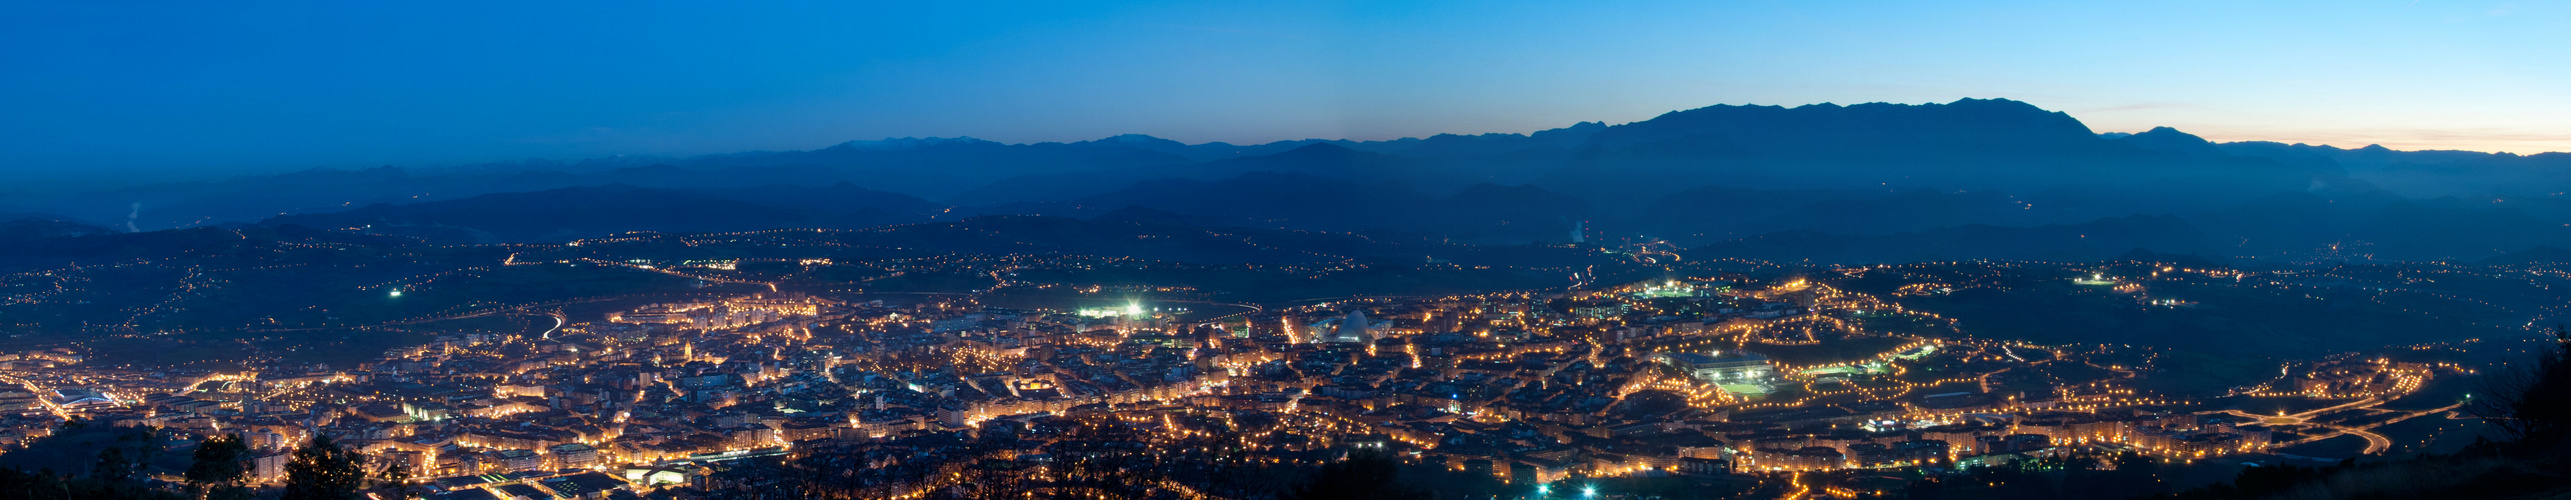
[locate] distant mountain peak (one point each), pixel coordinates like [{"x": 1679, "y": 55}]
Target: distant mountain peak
[
  {"x": 656, "y": 168},
  {"x": 2166, "y": 135},
  {"x": 1319, "y": 150},
  {"x": 901, "y": 143},
  {"x": 1965, "y": 125},
  {"x": 1137, "y": 141},
  {"x": 1135, "y": 138},
  {"x": 1995, "y": 102},
  {"x": 2170, "y": 141}
]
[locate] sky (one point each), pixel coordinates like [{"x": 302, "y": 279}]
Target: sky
[{"x": 222, "y": 87}]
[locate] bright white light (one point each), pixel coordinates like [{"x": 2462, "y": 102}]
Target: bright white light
[
  {"x": 397, "y": 292},
  {"x": 1588, "y": 491}
]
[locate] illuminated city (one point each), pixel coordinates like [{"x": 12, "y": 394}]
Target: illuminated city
[
  {"x": 1292, "y": 250},
  {"x": 1750, "y": 381}
]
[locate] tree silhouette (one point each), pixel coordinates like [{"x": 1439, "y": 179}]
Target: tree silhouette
[
  {"x": 321, "y": 470},
  {"x": 397, "y": 477},
  {"x": 1364, "y": 474},
  {"x": 2532, "y": 405},
  {"x": 112, "y": 465},
  {"x": 219, "y": 468}
]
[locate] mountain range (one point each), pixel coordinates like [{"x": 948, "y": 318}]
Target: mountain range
[{"x": 1974, "y": 178}]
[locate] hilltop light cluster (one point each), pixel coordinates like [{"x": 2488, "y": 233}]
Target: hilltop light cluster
[{"x": 1665, "y": 377}]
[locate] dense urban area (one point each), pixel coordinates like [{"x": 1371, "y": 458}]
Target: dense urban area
[
  {"x": 1285, "y": 251},
  {"x": 1758, "y": 381}
]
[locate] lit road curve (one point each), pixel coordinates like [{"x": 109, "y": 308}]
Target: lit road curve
[
  {"x": 2375, "y": 443},
  {"x": 476, "y": 313},
  {"x": 717, "y": 279},
  {"x": 558, "y": 321},
  {"x": 2300, "y": 417}
]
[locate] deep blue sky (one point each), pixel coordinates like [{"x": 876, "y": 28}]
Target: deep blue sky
[{"x": 226, "y": 86}]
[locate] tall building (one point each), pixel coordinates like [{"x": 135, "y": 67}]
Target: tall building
[{"x": 270, "y": 466}]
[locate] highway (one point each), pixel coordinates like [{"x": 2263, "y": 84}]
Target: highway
[
  {"x": 716, "y": 279},
  {"x": 2375, "y": 443},
  {"x": 558, "y": 321},
  {"x": 43, "y": 396}
]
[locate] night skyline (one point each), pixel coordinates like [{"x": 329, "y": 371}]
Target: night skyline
[{"x": 1409, "y": 250}]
